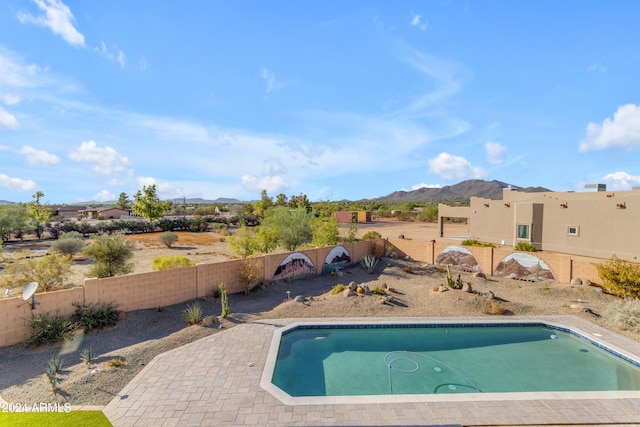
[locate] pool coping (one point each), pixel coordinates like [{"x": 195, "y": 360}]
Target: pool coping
[{"x": 594, "y": 334}]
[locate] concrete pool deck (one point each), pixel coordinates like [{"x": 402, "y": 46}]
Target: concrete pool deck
[{"x": 216, "y": 381}]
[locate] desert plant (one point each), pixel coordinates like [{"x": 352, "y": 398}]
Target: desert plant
[
  {"x": 68, "y": 245},
  {"x": 168, "y": 262},
  {"x": 407, "y": 269},
  {"x": 243, "y": 243},
  {"x": 87, "y": 355},
  {"x": 377, "y": 249},
  {"x": 95, "y": 316},
  {"x": 249, "y": 274},
  {"x": 49, "y": 271},
  {"x": 116, "y": 362},
  {"x": 479, "y": 244},
  {"x": 55, "y": 365},
  {"x": 369, "y": 262},
  {"x": 224, "y": 300},
  {"x": 47, "y": 328},
  {"x": 112, "y": 254},
  {"x": 371, "y": 235},
  {"x": 454, "y": 284},
  {"x": 168, "y": 238},
  {"x": 620, "y": 277},
  {"x": 338, "y": 288},
  {"x": 53, "y": 380},
  {"x": 493, "y": 307},
  {"x": 624, "y": 314},
  {"x": 325, "y": 231},
  {"x": 525, "y": 247},
  {"x": 193, "y": 313},
  {"x": 378, "y": 290}
]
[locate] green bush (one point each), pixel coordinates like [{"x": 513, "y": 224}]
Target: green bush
[
  {"x": 168, "y": 238},
  {"x": 168, "y": 262},
  {"x": 95, "y": 316},
  {"x": 525, "y": 247},
  {"x": 371, "y": 235},
  {"x": 68, "y": 245},
  {"x": 48, "y": 328},
  {"x": 620, "y": 277},
  {"x": 479, "y": 244},
  {"x": 624, "y": 314}
]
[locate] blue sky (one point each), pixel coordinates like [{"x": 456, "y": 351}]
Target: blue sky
[{"x": 333, "y": 99}]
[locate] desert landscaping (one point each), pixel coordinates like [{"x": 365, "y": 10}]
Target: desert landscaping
[{"x": 413, "y": 289}]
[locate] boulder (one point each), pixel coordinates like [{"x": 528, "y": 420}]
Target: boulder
[
  {"x": 588, "y": 282},
  {"x": 209, "y": 321},
  {"x": 442, "y": 288},
  {"x": 339, "y": 273},
  {"x": 479, "y": 274},
  {"x": 366, "y": 289},
  {"x": 576, "y": 281},
  {"x": 300, "y": 298},
  {"x": 352, "y": 286},
  {"x": 490, "y": 294},
  {"x": 348, "y": 293},
  {"x": 466, "y": 287}
]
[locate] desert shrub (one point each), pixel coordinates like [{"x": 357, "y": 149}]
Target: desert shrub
[
  {"x": 116, "y": 362},
  {"x": 168, "y": 262},
  {"x": 47, "y": 328},
  {"x": 407, "y": 269},
  {"x": 493, "y": 307},
  {"x": 624, "y": 314},
  {"x": 112, "y": 254},
  {"x": 193, "y": 313},
  {"x": 49, "y": 271},
  {"x": 338, "y": 288},
  {"x": 224, "y": 300},
  {"x": 168, "y": 238},
  {"x": 371, "y": 235},
  {"x": 95, "y": 316},
  {"x": 525, "y": 247},
  {"x": 68, "y": 245},
  {"x": 249, "y": 274},
  {"x": 620, "y": 277},
  {"x": 479, "y": 244},
  {"x": 219, "y": 227},
  {"x": 378, "y": 290},
  {"x": 378, "y": 250}
]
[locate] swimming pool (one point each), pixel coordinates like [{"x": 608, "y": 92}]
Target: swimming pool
[{"x": 434, "y": 359}]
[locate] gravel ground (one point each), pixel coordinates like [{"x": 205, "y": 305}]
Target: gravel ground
[{"x": 143, "y": 334}]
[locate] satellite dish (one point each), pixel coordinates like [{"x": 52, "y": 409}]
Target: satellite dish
[{"x": 29, "y": 290}]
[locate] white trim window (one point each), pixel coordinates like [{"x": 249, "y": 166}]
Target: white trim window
[
  {"x": 573, "y": 230},
  {"x": 523, "y": 232}
]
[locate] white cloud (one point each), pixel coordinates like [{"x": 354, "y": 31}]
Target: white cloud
[
  {"x": 494, "y": 152},
  {"x": 10, "y": 99},
  {"x": 453, "y": 168},
  {"x": 37, "y": 157},
  {"x": 273, "y": 184},
  {"x": 593, "y": 68},
  {"x": 621, "y": 181},
  {"x": 272, "y": 83},
  {"x": 422, "y": 185},
  {"x": 274, "y": 167},
  {"x": 15, "y": 75},
  {"x": 621, "y": 132},
  {"x": 7, "y": 120},
  {"x": 105, "y": 160},
  {"x": 113, "y": 54},
  {"x": 103, "y": 196},
  {"x": 57, "y": 17},
  {"x": 417, "y": 22},
  {"x": 165, "y": 189},
  {"x": 16, "y": 184}
]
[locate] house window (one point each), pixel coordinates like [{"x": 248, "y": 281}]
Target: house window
[
  {"x": 573, "y": 230},
  {"x": 523, "y": 231}
]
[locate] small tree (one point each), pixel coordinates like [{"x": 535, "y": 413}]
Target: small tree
[
  {"x": 148, "y": 204},
  {"x": 12, "y": 219},
  {"x": 249, "y": 274},
  {"x": 292, "y": 226},
  {"x": 69, "y": 244},
  {"x": 168, "y": 238},
  {"x": 50, "y": 271},
  {"x": 112, "y": 254},
  {"x": 267, "y": 239},
  {"x": 39, "y": 213},
  {"x": 243, "y": 243},
  {"x": 325, "y": 231},
  {"x": 620, "y": 277},
  {"x": 123, "y": 202}
]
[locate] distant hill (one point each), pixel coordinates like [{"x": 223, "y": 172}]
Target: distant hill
[
  {"x": 461, "y": 191},
  {"x": 201, "y": 201}
]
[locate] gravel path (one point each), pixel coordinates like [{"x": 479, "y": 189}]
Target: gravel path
[{"x": 143, "y": 334}]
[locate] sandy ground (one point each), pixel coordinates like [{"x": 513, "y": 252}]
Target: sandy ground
[{"x": 412, "y": 291}]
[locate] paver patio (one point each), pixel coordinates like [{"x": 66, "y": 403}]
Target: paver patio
[{"x": 216, "y": 381}]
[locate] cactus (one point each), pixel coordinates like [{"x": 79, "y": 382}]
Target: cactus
[
  {"x": 453, "y": 284},
  {"x": 224, "y": 300}
]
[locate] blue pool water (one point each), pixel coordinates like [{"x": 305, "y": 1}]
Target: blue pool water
[{"x": 375, "y": 360}]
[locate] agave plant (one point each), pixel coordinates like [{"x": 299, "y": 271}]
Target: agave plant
[{"x": 369, "y": 262}]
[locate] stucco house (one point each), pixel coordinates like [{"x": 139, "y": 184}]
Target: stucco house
[
  {"x": 107, "y": 213},
  {"x": 594, "y": 224}
]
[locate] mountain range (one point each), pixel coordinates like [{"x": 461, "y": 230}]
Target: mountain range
[{"x": 461, "y": 191}]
